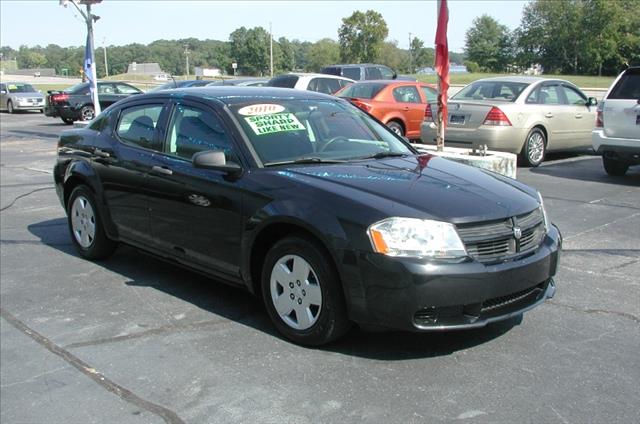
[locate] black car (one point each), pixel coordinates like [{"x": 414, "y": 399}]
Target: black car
[
  {"x": 311, "y": 203},
  {"x": 75, "y": 103},
  {"x": 180, "y": 84}
]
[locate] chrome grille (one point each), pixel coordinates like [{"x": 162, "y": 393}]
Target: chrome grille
[{"x": 492, "y": 241}]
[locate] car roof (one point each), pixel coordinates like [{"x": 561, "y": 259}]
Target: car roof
[
  {"x": 356, "y": 64},
  {"x": 520, "y": 78},
  {"x": 232, "y": 95},
  {"x": 313, "y": 74}
]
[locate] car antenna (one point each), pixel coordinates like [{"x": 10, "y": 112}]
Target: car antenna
[{"x": 174, "y": 81}]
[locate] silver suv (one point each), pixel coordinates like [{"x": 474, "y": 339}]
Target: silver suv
[{"x": 617, "y": 133}]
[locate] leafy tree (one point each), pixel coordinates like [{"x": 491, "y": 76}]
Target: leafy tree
[
  {"x": 322, "y": 53},
  {"x": 361, "y": 36},
  {"x": 394, "y": 57},
  {"x": 287, "y": 58},
  {"x": 421, "y": 56},
  {"x": 488, "y": 44},
  {"x": 250, "y": 49}
]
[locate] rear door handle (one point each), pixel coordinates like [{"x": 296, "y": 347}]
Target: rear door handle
[
  {"x": 101, "y": 153},
  {"x": 161, "y": 170},
  {"x": 406, "y": 108},
  {"x": 548, "y": 115},
  {"x": 578, "y": 116}
]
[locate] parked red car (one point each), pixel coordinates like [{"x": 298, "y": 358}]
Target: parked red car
[{"x": 398, "y": 104}]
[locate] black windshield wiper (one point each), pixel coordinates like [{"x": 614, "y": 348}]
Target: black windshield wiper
[
  {"x": 305, "y": 160},
  {"x": 381, "y": 155}
]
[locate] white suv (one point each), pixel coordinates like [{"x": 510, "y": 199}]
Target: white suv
[
  {"x": 321, "y": 83},
  {"x": 617, "y": 133}
]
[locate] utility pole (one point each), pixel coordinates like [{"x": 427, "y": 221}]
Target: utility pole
[
  {"x": 90, "y": 57},
  {"x": 104, "y": 46},
  {"x": 410, "y": 56},
  {"x": 270, "y": 50},
  {"x": 186, "y": 58}
]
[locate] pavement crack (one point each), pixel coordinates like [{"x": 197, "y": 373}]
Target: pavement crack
[
  {"x": 597, "y": 202},
  {"x": 599, "y": 227},
  {"x": 595, "y": 311},
  {"x": 22, "y": 196},
  {"x": 26, "y": 168},
  {"x": 123, "y": 393}
]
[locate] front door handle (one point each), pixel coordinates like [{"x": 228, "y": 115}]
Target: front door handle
[
  {"x": 406, "y": 109},
  {"x": 578, "y": 116},
  {"x": 162, "y": 170},
  {"x": 548, "y": 115}
]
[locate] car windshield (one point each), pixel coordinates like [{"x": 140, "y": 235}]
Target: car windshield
[
  {"x": 21, "y": 88},
  {"x": 314, "y": 130},
  {"x": 507, "y": 91},
  {"x": 366, "y": 90}
]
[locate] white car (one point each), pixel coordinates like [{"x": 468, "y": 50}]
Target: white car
[
  {"x": 321, "y": 83},
  {"x": 617, "y": 133}
]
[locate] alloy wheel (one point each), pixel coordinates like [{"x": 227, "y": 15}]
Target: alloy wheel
[
  {"x": 295, "y": 292},
  {"x": 535, "y": 150},
  {"x": 83, "y": 222}
]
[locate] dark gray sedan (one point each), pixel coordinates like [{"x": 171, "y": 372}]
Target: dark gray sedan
[{"x": 20, "y": 96}]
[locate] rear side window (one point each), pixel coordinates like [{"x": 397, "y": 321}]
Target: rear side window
[
  {"x": 495, "y": 90},
  {"x": 628, "y": 86},
  {"x": 366, "y": 90},
  {"x": 331, "y": 70},
  {"x": 126, "y": 89},
  {"x": 430, "y": 94},
  {"x": 283, "y": 81},
  {"x": 324, "y": 85},
  {"x": 137, "y": 126},
  {"x": 353, "y": 73},
  {"x": 406, "y": 94}
]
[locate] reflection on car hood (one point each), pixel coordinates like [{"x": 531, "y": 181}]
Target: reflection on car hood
[
  {"x": 27, "y": 95},
  {"x": 429, "y": 185}
]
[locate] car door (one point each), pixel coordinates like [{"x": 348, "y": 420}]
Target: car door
[
  {"x": 122, "y": 161},
  {"x": 107, "y": 94},
  {"x": 410, "y": 104},
  {"x": 3, "y": 96},
  {"x": 556, "y": 114},
  {"x": 584, "y": 117},
  {"x": 195, "y": 214},
  {"x": 125, "y": 90}
]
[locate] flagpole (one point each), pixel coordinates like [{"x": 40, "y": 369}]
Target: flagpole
[{"x": 94, "y": 76}]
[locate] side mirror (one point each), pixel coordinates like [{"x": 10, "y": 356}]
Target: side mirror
[
  {"x": 395, "y": 75},
  {"x": 592, "y": 101},
  {"x": 216, "y": 160}
]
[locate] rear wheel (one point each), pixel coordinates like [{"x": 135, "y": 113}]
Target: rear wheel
[
  {"x": 87, "y": 113},
  {"x": 302, "y": 292},
  {"x": 67, "y": 121},
  {"x": 10, "y": 108},
  {"x": 614, "y": 167},
  {"x": 85, "y": 225},
  {"x": 396, "y": 127},
  {"x": 534, "y": 148}
]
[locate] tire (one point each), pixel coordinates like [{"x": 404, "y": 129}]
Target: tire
[
  {"x": 396, "y": 127},
  {"x": 87, "y": 113},
  {"x": 311, "y": 310},
  {"x": 85, "y": 225},
  {"x": 614, "y": 167},
  {"x": 41, "y": 111},
  {"x": 10, "y": 108},
  {"x": 534, "y": 149},
  {"x": 68, "y": 121}
]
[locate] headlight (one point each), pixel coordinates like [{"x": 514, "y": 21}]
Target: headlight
[
  {"x": 416, "y": 238},
  {"x": 544, "y": 213}
]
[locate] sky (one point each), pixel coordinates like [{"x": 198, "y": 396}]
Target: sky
[{"x": 43, "y": 22}]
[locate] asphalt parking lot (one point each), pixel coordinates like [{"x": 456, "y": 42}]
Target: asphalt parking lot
[{"x": 136, "y": 340}]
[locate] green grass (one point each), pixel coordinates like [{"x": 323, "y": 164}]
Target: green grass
[{"x": 581, "y": 81}]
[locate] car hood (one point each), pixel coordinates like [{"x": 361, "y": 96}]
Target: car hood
[{"x": 421, "y": 186}]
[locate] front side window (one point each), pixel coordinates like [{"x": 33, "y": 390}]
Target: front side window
[
  {"x": 137, "y": 126},
  {"x": 386, "y": 73},
  {"x": 406, "y": 94},
  {"x": 574, "y": 97},
  {"x": 372, "y": 73},
  {"x": 363, "y": 90},
  {"x": 194, "y": 130},
  {"x": 286, "y": 131},
  {"x": 106, "y": 89}
]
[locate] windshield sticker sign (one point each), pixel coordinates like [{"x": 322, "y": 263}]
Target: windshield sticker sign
[
  {"x": 274, "y": 123},
  {"x": 261, "y": 109}
]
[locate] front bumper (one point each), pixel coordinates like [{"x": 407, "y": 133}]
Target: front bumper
[
  {"x": 28, "y": 106},
  {"x": 501, "y": 139},
  {"x": 417, "y": 295}
]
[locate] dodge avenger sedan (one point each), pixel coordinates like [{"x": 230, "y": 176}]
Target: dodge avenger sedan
[{"x": 308, "y": 202}]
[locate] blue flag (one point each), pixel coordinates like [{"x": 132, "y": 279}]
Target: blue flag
[{"x": 90, "y": 72}]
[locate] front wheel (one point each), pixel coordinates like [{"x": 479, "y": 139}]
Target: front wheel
[
  {"x": 534, "y": 148},
  {"x": 616, "y": 168},
  {"x": 302, "y": 292},
  {"x": 85, "y": 225},
  {"x": 10, "y": 108}
]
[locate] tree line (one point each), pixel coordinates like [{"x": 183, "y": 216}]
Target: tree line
[
  {"x": 361, "y": 38},
  {"x": 580, "y": 37}
]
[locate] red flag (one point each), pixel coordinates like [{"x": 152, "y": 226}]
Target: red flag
[{"x": 442, "y": 58}]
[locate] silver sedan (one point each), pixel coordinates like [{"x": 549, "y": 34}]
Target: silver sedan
[
  {"x": 20, "y": 96},
  {"x": 524, "y": 115}
]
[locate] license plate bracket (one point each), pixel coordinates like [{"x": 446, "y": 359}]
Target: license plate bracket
[{"x": 456, "y": 119}]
